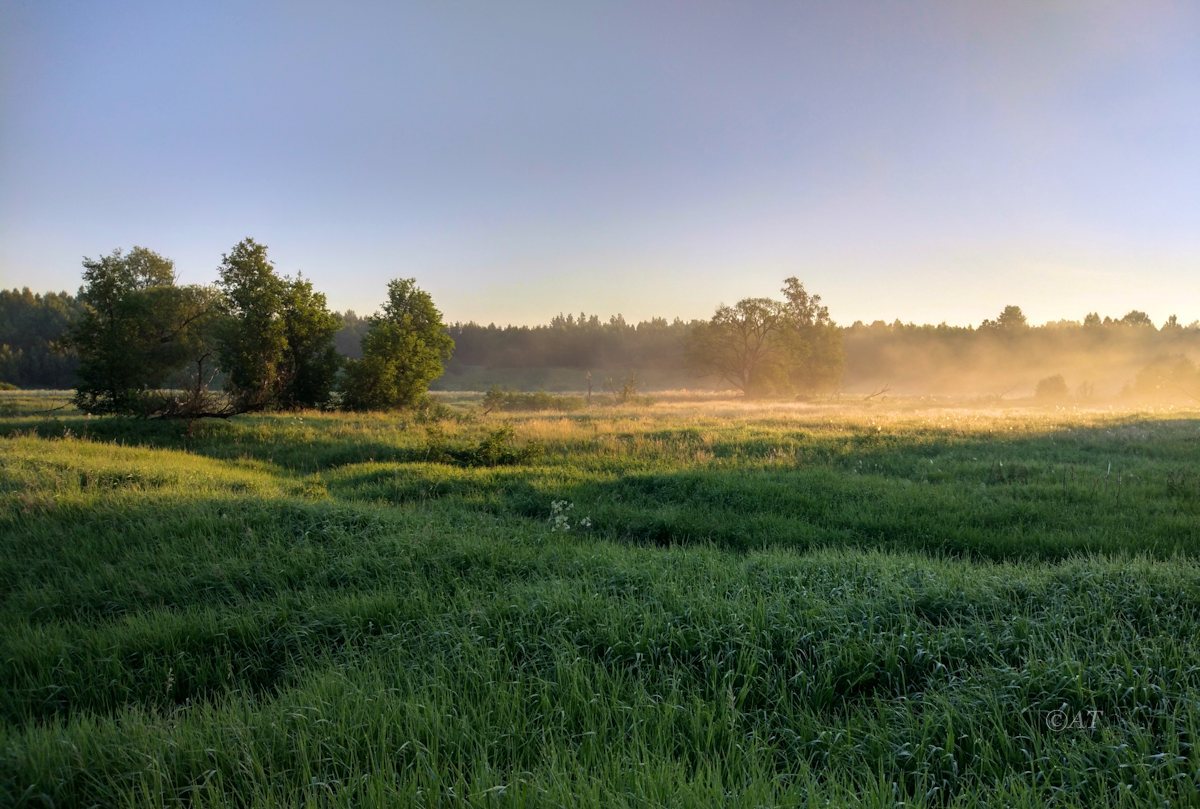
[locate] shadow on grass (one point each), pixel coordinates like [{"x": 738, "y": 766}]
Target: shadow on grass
[
  {"x": 803, "y": 509},
  {"x": 292, "y": 444}
]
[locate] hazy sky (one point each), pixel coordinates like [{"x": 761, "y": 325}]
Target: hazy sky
[{"x": 927, "y": 161}]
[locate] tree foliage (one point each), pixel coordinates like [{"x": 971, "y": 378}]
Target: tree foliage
[
  {"x": 403, "y": 350},
  {"x": 767, "y": 347},
  {"x": 1052, "y": 389},
  {"x": 150, "y": 347},
  {"x": 1011, "y": 320},
  {"x": 34, "y": 349},
  {"x": 310, "y": 362},
  {"x": 145, "y": 344},
  {"x": 277, "y": 338},
  {"x": 253, "y": 336},
  {"x": 137, "y": 328}
]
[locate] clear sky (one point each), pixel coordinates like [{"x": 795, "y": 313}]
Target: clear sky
[{"x": 926, "y": 161}]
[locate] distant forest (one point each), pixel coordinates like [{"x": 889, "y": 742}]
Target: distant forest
[{"x": 1097, "y": 357}]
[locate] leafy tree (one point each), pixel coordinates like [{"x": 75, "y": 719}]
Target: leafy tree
[
  {"x": 198, "y": 347},
  {"x": 276, "y": 343},
  {"x": 763, "y": 346},
  {"x": 310, "y": 361},
  {"x": 812, "y": 341},
  {"x": 1137, "y": 318},
  {"x": 253, "y": 341},
  {"x": 1011, "y": 320},
  {"x": 736, "y": 345},
  {"x": 402, "y": 352},
  {"x": 136, "y": 328}
]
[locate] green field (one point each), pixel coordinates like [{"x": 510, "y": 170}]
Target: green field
[{"x": 784, "y": 605}]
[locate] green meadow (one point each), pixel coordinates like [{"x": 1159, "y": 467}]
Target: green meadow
[{"x": 683, "y": 603}]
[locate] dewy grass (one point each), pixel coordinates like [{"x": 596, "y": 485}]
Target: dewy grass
[{"x": 788, "y": 606}]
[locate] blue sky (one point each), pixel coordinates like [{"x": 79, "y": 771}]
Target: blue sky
[{"x": 926, "y": 161}]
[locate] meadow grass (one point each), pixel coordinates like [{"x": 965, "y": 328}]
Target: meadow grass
[{"x": 784, "y": 605}]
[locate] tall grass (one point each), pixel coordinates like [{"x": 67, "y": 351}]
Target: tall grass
[{"x": 790, "y": 606}]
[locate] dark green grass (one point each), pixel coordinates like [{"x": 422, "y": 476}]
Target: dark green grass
[{"x": 781, "y": 608}]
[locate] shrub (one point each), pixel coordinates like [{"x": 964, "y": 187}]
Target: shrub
[
  {"x": 509, "y": 401},
  {"x": 1052, "y": 389},
  {"x": 495, "y": 449}
]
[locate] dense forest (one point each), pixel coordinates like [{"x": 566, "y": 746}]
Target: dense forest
[
  {"x": 33, "y": 328},
  {"x": 1096, "y": 357}
]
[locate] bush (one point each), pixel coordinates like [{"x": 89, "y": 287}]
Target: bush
[
  {"x": 509, "y": 401},
  {"x": 1052, "y": 389}
]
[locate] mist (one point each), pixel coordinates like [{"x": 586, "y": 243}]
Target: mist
[{"x": 1099, "y": 362}]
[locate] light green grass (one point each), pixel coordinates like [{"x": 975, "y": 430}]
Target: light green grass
[{"x": 788, "y": 605}]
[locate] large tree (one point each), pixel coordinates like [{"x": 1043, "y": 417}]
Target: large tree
[
  {"x": 403, "y": 350},
  {"x": 739, "y": 344},
  {"x": 766, "y": 347},
  {"x": 254, "y": 335},
  {"x": 310, "y": 360},
  {"x": 136, "y": 330},
  {"x": 277, "y": 338},
  {"x": 812, "y": 342}
]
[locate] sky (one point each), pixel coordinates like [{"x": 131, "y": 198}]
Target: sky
[{"x": 923, "y": 161}]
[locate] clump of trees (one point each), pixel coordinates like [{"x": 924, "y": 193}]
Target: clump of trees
[
  {"x": 254, "y": 341},
  {"x": 275, "y": 341},
  {"x": 766, "y": 347}
]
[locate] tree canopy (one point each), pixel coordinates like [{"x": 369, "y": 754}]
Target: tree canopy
[
  {"x": 403, "y": 350},
  {"x": 149, "y": 347},
  {"x": 277, "y": 340},
  {"x": 34, "y": 349},
  {"x": 767, "y": 347},
  {"x": 136, "y": 330}
]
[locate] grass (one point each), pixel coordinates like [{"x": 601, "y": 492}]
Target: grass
[{"x": 787, "y": 605}]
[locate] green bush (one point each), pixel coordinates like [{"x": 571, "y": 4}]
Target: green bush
[{"x": 511, "y": 401}]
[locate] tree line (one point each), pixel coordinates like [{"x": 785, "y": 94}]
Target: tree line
[
  {"x": 34, "y": 352},
  {"x": 257, "y": 340},
  {"x": 253, "y": 340},
  {"x": 1095, "y": 357},
  {"x": 759, "y": 346}
]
